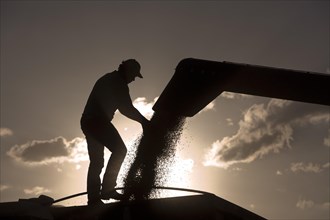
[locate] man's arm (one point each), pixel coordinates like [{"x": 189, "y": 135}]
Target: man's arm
[
  {"x": 127, "y": 108},
  {"x": 131, "y": 112}
]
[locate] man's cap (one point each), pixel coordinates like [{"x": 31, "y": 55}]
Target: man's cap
[{"x": 133, "y": 66}]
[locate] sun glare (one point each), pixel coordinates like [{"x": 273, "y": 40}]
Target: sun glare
[
  {"x": 178, "y": 173},
  {"x": 178, "y": 176}
]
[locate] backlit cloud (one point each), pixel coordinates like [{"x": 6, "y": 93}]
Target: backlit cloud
[
  {"x": 325, "y": 206},
  {"x": 4, "y": 187},
  {"x": 57, "y": 150},
  {"x": 37, "y": 190},
  {"x": 326, "y": 140},
  {"x": 144, "y": 107},
  {"x": 304, "y": 204},
  {"x": 210, "y": 106},
  {"x": 229, "y": 121},
  {"x": 279, "y": 173},
  {"x": 232, "y": 95},
  {"x": 264, "y": 129},
  {"x": 326, "y": 165},
  {"x": 306, "y": 167},
  {"x": 5, "y": 132}
]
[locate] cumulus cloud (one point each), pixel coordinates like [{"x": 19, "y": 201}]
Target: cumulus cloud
[
  {"x": 279, "y": 173},
  {"x": 264, "y": 129},
  {"x": 308, "y": 204},
  {"x": 232, "y": 95},
  {"x": 5, "y": 132},
  {"x": 229, "y": 121},
  {"x": 326, "y": 140},
  {"x": 37, "y": 190},
  {"x": 210, "y": 106},
  {"x": 57, "y": 150},
  {"x": 307, "y": 168},
  {"x": 304, "y": 204},
  {"x": 4, "y": 187},
  {"x": 325, "y": 206},
  {"x": 144, "y": 107},
  {"x": 326, "y": 165}
]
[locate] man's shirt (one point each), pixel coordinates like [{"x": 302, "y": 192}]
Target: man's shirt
[{"x": 109, "y": 93}]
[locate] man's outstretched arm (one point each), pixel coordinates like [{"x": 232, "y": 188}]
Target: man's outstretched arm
[{"x": 132, "y": 113}]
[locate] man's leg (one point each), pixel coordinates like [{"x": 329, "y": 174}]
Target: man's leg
[
  {"x": 95, "y": 151},
  {"x": 116, "y": 145}
]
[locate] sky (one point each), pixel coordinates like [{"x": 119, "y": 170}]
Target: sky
[{"x": 269, "y": 156}]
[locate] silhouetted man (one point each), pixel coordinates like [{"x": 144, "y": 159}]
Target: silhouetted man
[{"x": 109, "y": 93}]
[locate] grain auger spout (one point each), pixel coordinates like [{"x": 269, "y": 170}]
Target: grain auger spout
[{"x": 197, "y": 82}]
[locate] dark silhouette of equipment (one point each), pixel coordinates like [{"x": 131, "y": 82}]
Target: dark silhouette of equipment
[
  {"x": 197, "y": 82},
  {"x": 196, "y": 207},
  {"x": 194, "y": 85}
]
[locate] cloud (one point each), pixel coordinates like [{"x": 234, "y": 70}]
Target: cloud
[
  {"x": 4, "y": 187},
  {"x": 210, "y": 106},
  {"x": 326, "y": 165},
  {"x": 307, "y": 168},
  {"x": 304, "y": 204},
  {"x": 325, "y": 206},
  {"x": 57, "y": 150},
  {"x": 37, "y": 190},
  {"x": 326, "y": 140},
  {"x": 308, "y": 204},
  {"x": 279, "y": 173},
  {"x": 144, "y": 107},
  {"x": 232, "y": 95},
  {"x": 229, "y": 121},
  {"x": 264, "y": 129},
  {"x": 252, "y": 206},
  {"x": 5, "y": 132}
]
